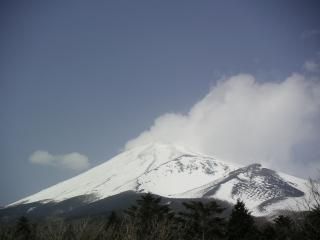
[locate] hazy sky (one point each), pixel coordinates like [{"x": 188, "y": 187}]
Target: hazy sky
[{"x": 79, "y": 79}]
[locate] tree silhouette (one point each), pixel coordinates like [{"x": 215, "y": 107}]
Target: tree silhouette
[
  {"x": 201, "y": 220},
  {"x": 112, "y": 227},
  {"x": 284, "y": 227},
  {"x": 147, "y": 213},
  {"x": 241, "y": 223},
  {"x": 312, "y": 224},
  {"x": 23, "y": 229}
]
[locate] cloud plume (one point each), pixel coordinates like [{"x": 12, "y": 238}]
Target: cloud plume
[
  {"x": 246, "y": 121},
  {"x": 72, "y": 161}
]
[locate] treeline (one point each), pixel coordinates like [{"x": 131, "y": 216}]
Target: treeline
[{"x": 149, "y": 219}]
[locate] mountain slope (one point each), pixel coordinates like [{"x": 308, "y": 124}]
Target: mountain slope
[
  {"x": 260, "y": 188},
  {"x": 175, "y": 172}
]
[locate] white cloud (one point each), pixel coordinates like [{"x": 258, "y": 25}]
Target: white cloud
[
  {"x": 312, "y": 66},
  {"x": 72, "y": 161},
  {"x": 244, "y": 121}
]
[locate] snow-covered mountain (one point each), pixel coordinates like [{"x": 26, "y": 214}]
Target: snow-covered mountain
[{"x": 175, "y": 172}]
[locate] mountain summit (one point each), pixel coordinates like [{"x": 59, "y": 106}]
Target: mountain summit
[{"x": 175, "y": 172}]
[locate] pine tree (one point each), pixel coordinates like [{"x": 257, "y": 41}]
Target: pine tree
[
  {"x": 241, "y": 223},
  {"x": 147, "y": 214},
  {"x": 149, "y": 207},
  {"x": 283, "y": 227},
  {"x": 112, "y": 226},
  {"x": 312, "y": 224},
  {"x": 201, "y": 221},
  {"x": 23, "y": 229}
]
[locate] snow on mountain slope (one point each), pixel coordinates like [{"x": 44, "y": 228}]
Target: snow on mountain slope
[
  {"x": 175, "y": 172},
  {"x": 263, "y": 190},
  {"x": 158, "y": 168},
  {"x": 183, "y": 173}
]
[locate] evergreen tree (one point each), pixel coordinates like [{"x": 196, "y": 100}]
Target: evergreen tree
[
  {"x": 201, "y": 221},
  {"x": 112, "y": 226},
  {"x": 149, "y": 207},
  {"x": 312, "y": 219},
  {"x": 312, "y": 224},
  {"x": 23, "y": 229},
  {"x": 241, "y": 223},
  {"x": 147, "y": 214},
  {"x": 283, "y": 227}
]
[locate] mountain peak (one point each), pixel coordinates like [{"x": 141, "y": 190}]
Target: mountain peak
[
  {"x": 174, "y": 171},
  {"x": 162, "y": 147}
]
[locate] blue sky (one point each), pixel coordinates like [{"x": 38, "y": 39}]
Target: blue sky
[{"x": 87, "y": 76}]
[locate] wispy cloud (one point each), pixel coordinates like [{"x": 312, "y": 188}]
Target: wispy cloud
[
  {"x": 72, "y": 161},
  {"x": 312, "y": 66},
  {"x": 245, "y": 121}
]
